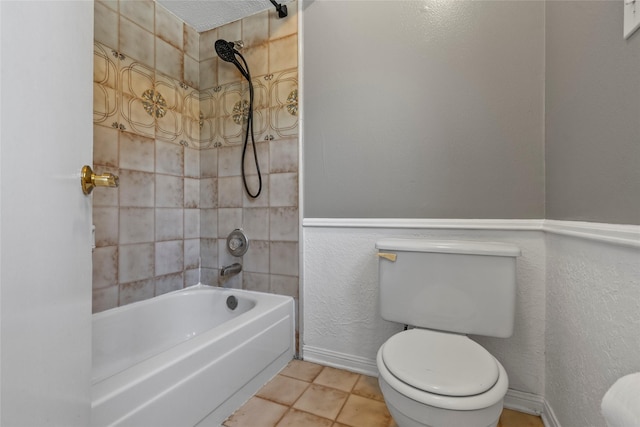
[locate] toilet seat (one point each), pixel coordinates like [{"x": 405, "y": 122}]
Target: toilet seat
[
  {"x": 440, "y": 363},
  {"x": 485, "y": 399}
]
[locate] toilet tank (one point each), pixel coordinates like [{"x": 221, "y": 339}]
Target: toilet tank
[{"x": 467, "y": 287}]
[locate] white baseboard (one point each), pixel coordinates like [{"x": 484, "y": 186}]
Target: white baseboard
[
  {"x": 548, "y": 416},
  {"x": 521, "y": 401},
  {"x": 335, "y": 359}
]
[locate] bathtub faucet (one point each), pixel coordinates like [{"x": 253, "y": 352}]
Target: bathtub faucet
[{"x": 231, "y": 269}]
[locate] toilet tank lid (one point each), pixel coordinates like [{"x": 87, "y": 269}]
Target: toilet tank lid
[{"x": 450, "y": 246}]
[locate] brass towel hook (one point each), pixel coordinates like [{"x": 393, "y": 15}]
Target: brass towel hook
[{"x": 90, "y": 180}]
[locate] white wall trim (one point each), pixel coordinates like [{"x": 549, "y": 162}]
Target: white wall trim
[
  {"x": 339, "y": 360},
  {"x": 618, "y": 234},
  {"x": 548, "y": 416},
  {"x": 418, "y": 223},
  {"x": 521, "y": 401}
]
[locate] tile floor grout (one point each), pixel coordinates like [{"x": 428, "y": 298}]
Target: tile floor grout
[{"x": 312, "y": 395}]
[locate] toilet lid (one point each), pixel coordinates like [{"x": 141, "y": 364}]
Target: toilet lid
[{"x": 440, "y": 363}]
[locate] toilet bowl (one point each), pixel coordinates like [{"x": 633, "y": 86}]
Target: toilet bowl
[
  {"x": 437, "y": 379},
  {"x": 434, "y": 375}
]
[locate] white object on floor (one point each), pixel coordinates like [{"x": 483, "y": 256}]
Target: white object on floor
[{"x": 621, "y": 404}]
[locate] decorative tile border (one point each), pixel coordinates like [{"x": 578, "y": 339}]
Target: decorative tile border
[
  {"x": 224, "y": 110},
  {"x": 133, "y": 97}
]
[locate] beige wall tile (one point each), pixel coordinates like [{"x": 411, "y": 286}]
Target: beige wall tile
[
  {"x": 169, "y": 27},
  {"x": 208, "y": 162},
  {"x": 191, "y": 40},
  {"x": 134, "y": 117},
  {"x": 283, "y": 189},
  {"x": 255, "y": 29},
  {"x": 207, "y": 41},
  {"x": 136, "y": 42},
  {"x": 228, "y": 220},
  {"x": 208, "y": 70},
  {"x": 136, "y": 291},
  {"x": 105, "y": 298},
  {"x": 105, "y": 29},
  {"x": 136, "y": 152},
  {"x": 192, "y": 218},
  {"x": 228, "y": 73},
  {"x": 257, "y": 57},
  {"x": 136, "y": 225},
  {"x": 209, "y": 223},
  {"x": 169, "y": 59},
  {"x": 209, "y": 253},
  {"x": 284, "y": 285},
  {"x": 169, "y": 283},
  {"x": 191, "y": 74},
  {"x": 283, "y": 155},
  {"x": 105, "y": 220},
  {"x": 105, "y": 272},
  {"x": 255, "y": 281},
  {"x": 169, "y": 224},
  {"x": 255, "y": 223},
  {"x": 169, "y": 257},
  {"x": 230, "y": 192},
  {"x": 135, "y": 262},
  {"x": 283, "y": 54},
  {"x": 169, "y": 158},
  {"x": 208, "y": 193},
  {"x": 191, "y": 163},
  {"x": 191, "y": 253},
  {"x": 283, "y": 224},
  {"x": 284, "y": 258},
  {"x": 105, "y": 65},
  {"x": 169, "y": 191},
  {"x": 191, "y": 193},
  {"x": 191, "y": 277},
  {"x": 105, "y": 106},
  {"x": 136, "y": 189},
  {"x": 105, "y": 146},
  {"x": 142, "y": 12},
  {"x": 229, "y": 161},
  {"x": 256, "y": 259}
]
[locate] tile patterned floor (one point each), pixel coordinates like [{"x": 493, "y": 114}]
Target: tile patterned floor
[{"x": 311, "y": 395}]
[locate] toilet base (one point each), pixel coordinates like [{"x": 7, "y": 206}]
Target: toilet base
[{"x": 409, "y": 413}]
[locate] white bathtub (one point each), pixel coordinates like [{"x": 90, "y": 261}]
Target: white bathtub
[{"x": 185, "y": 358}]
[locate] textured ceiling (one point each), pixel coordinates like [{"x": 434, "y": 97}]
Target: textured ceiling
[{"x": 204, "y": 15}]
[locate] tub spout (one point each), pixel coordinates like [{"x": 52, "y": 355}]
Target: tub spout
[{"x": 231, "y": 269}]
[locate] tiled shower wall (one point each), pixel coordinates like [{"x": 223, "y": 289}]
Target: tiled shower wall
[{"x": 168, "y": 119}]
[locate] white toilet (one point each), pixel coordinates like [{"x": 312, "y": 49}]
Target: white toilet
[{"x": 434, "y": 375}]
